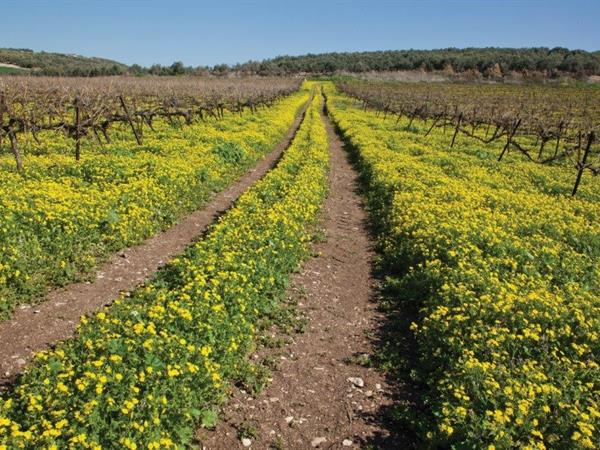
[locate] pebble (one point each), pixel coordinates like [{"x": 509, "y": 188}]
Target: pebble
[
  {"x": 289, "y": 419},
  {"x": 246, "y": 442},
  {"x": 318, "y": 441},
  {"x": 347, "y": 443},
  {"x": 356, "y": 381}
]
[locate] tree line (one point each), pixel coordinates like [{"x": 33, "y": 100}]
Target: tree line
[
  {"x": 487, "y": 61},
  {"x": 484, "y": 60},
  {"x": 491, "y": 61}
]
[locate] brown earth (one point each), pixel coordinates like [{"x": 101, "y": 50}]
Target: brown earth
[
  {"x": 36, "y": 327},
  {"x": 319, "y": 395}
]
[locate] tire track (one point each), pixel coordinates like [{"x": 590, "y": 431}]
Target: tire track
[
  {"x": 319, "y": 396},
  {"x": 36, "y": 327}
]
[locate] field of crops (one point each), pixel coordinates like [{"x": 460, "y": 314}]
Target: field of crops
[
  {"x": 60, "y": 215},
  {"x": 546, "y": 124},
  {"x": 484, "y": 211},
  {"x": 152, "y": 360},
  {"x": 502, "y": 269}
]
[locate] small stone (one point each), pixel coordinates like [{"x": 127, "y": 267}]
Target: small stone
[
  {"x": 246, "y": 442},
  {"x": 289, "y": 419},
  {"x": 20, "y": 362},
  {"x": 378, "y": 387},
  {"x": 318, "y": 441},
  {"x": 369, "y": 393},
  {"x": 347, "y": 443},
  {"x": 356, "y": 381}
]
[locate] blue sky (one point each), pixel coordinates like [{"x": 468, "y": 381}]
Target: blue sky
[{"x": 227, "y": 31}]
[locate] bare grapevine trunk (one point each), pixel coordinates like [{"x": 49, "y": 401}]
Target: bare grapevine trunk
[
  {"x": 2, "y": 106},
  {"x": 581, "y": 165},
  {"x": 138, "y": 138},
  {"x": 456, "y": 130},
  {"x": 77, "y": 105},
  {"x": 15, "y": 149},
  {"x": 509, "y": 139}
]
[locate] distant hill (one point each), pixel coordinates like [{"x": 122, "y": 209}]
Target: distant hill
[
  {"x": 45, "y": 63},
  {"x": 490, "y": 61}
]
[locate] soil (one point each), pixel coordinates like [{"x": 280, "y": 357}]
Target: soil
[
  {"x": 320, "y": 395},
  {"x": 36, "y": 327}
]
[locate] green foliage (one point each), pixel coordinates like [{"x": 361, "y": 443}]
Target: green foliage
[
  {"x": 208, "y": 418},
  {"x": 230, "y": 152},
  {"x": 480, "y": 59}
]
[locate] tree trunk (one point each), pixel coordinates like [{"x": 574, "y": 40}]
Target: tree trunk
[
  {"x": 77, "y": 105},
  {"x": 104, "y": 130},
  {"x": 540, "y": 153},
  {"x": 581, "y": 165},
  {"x": 509, "y": 139},
  {"x": 15, "y": 149},
  {"x": 131, "y": 124},
  {"x": 2, "y": 110},
  {"x": 457, "y": 129}
]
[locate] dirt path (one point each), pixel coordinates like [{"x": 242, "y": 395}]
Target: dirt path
[
  {"x": 319, "y": 396},
  {"x": 35, "y": 327}
]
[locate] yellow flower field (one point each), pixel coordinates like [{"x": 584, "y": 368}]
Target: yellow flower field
[
  {"x": 137, "y": 372},
  {"x": 502, "y": 267},
  {"x": 62, "y": 216}
]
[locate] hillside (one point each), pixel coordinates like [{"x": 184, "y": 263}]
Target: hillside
[
  {"x": 488, "y": 62},
  {"x": 46, "y": 63}
]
